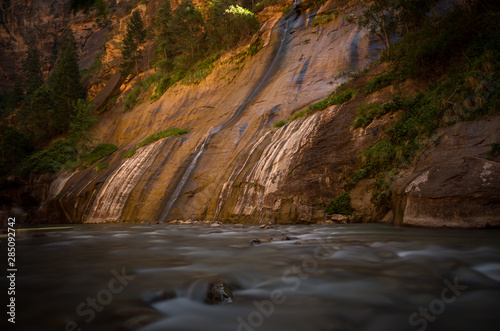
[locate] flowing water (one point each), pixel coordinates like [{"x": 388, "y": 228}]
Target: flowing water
[{"x": 318, "y": 277}]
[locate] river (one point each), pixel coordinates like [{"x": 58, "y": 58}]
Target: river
[{"x": 316, "y": 277}]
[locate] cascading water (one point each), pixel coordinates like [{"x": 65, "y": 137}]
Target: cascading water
[{"x": 262, "y": 82}]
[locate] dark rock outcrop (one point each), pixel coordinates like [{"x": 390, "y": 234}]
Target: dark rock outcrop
[
  {"x": 218, "y": 293},
  {"x": 453, "y": 184},
  {"x": 461, "y": 193}
]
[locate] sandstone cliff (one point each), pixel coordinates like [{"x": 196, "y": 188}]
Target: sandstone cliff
[{"x": 234, "y": 166}]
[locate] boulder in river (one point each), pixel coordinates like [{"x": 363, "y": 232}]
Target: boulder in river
[{"x": 218, "y": 293}]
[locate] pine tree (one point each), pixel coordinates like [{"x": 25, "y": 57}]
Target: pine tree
[
  {"x": 188, "y": 31},
  {"x": 134, "y": 38},
  {"x": 165, "y": 52},
  {"x": 32, "y": 71},
  {"x": 66, "y": 81},
  {"x": 36, "y": 118}
]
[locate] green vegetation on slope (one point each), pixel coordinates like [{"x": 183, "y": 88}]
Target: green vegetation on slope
[
  {"x": 191, "y": 39},
  {"x": 458, "y": 56},
  {"x": 155, "y": 137},
  {"x": 335, "y": 98},
  {"x": 99, "y": 152},
  {"x": 326, "y": 17}
]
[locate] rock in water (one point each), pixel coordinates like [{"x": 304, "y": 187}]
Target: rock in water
[
  {"x": 218, "y": 293},
  {"x": 255, "y": 242}
]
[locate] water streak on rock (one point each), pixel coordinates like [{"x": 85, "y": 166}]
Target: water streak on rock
[{"x": 111, "y": 199}]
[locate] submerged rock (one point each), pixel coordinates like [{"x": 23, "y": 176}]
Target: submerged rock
[
  {"x": 219, "y": 293},
  {"x": 255, "y": 242}
]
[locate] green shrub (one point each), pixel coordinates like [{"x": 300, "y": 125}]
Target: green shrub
[
  {"x": 287, "y": 9},
  {"x": 298, "y": 115},
  {"x": 255, "y": 47},
  {"x": 381, "y": 196},
  {"x": 50, "y": 160},
  {"x": 318, "y": 106},
  {"x": 340, "y": 205},
  {"x": 380, "y": 157},
  {"x": 279, "y": 124},
  {"x": 333, "y": 99},
  {"x": 200, "y": 71},
  {"x": 99, "y": 152},
  {"x": 342, "y": 97},
  {"x": 159, "y": 135},
  {"x": 379, "y": 82},
  {"x": 360, "y": 174},
  {"x": 130, "y": 153},
  {"x": 100, "y": 166},
  {"x": 419, "y": 120},
  {"x": 14, "y": 147},
  {"x": 495, "y": 147},
  {"x": 108, "y": 105},
  {"x": 134, "y": 97},
  {"x": 328, "y": 16},
  {"x": 366, "y": 114}
]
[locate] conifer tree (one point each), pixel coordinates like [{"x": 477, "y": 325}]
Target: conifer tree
[
  {"x": 165, "y": 51},
  {"x": 36, "y": 118},
  {"x": 188, "y": 31},
  {"x": 134, "y": 38},
  {"x": 32, "y": 71},
  {"x": 66, "y": 81}
]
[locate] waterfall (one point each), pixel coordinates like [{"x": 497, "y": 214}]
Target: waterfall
[{"x": 262, "y": 82}]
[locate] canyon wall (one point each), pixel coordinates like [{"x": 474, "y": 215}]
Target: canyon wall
[{"x": 236, "y": 166}]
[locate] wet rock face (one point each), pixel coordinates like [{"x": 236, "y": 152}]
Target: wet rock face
[{"x": 218, "y": 293}]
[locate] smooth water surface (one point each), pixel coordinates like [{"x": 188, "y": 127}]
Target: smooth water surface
[{"x": 320, "y": 277}]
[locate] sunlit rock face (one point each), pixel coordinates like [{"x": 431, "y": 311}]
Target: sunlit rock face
[{"x": 298, "y": 65}]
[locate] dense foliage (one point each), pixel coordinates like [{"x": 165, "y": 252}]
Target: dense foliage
[
  {"x": 340, "y": 205},
  {"x": 39, "y": 110},
  {"x": 190, "y": 39},
  {"x": 458, "y": 57}
]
